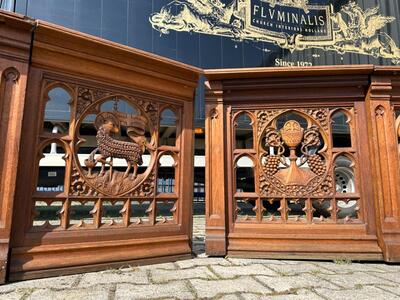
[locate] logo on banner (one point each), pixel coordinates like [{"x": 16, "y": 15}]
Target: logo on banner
[{"x": 291, "y": 24}]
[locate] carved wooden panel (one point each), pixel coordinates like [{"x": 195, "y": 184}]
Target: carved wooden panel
[
  {"x": 297, "y": 168},
  {"x": 303, "y": 178},
  {"x": 126, "y": 133}
]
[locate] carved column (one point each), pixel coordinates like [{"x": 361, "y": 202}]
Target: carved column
[
  {"x": 383, "y": 144},
  {"x": 14, "y": 56},
  {"x": 215, "y": 171}
]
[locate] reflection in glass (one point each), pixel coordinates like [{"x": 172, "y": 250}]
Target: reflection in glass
[
  {"x": 112, "y": 212},
  {"x": 81, "y": 213},
  {"x": 51, "y": 169},
  {"x": 345, "y": 184},
  {"x": 296, "y": 210},
  {"x": 245, "y": 175},
  {"x": 244, "y": 132},
  {"x": 165, "y": 211},
  {"x": 344, "y": 175},
  {"x": 166, "y": 175},
  {"x": 167, "y": 133},
  {"x": 271, "y": 210},
  {"x": 140, "y": 211},
  {"x": 246, "y": 208},
  {"x": 57, "y": 111},
  {"x": 47, "y": 214},
  {"x": 341, "y": 136}
]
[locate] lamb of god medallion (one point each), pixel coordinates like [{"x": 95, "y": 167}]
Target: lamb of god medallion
[
  {"x": 114, "y": 165},
  {"x": 108, "y": 125}
]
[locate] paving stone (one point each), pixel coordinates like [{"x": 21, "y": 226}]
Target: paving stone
[
  {"x": 289, "y": 283},
  {"x": 98, "y": 292},
  {"x": 162, "y": 276},
  {"x": 190, "y": 263},
  {"x": 356, "y": 279},
  {"x": 391, "y": 289},
  {"x": 229, "y": 297},
  {"x": 227, "y": 272},
  {"x": 209, "y": 289},
  {"x": 54, "y": 282},
  {"x": 344, "y": 268},
  {"x": 293, "y": 262},
  {"x": 362, "y": 293},
  {"x": 394, "y": 277},
  {"x": 165, "y": 266},
  {"x": 177, "y": 289},
  {"x": 250, "y": 261},
  {"x": 15, "y": 295},
  {"x": 299, "y": 294},
  {"x": 304, "y": 267},
  {"x": 387, "y": 268},
  {"x": 114, "y": 276}
]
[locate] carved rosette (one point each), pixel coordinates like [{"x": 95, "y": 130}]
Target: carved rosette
[
  {"x": 147, "y": 188},
  {"x": 79, "y": 186}
]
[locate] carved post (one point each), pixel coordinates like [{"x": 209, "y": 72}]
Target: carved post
[
  {"x": 215, "y": 171},
  {"x": 14, "y": 55},
  {"x": 383, "y": 144}
]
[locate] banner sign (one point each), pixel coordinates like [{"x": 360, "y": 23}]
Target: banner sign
[
  {"x": 295, "y": 25},
  {"x": 311, "y": 22}
]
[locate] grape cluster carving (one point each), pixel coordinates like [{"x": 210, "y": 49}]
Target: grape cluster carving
[
  {"x": 316, "y": 164},
  {"x": 271, "y": 164}
]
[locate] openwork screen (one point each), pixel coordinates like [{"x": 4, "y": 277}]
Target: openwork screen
[
  {"x": 105, "y": 160},
  {"x": 295, "y": 166}
]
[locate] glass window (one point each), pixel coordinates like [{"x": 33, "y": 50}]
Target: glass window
[
  {"x": 341, "y": 136},
  {"x": 57, "y": 111},
  {"x": 245, "y": 175},
  {"x": 167, "y": 131},
  {"x": 244, "y": 132}
]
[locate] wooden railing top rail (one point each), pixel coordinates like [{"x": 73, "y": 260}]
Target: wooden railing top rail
[{"x": 243, "y": 73}]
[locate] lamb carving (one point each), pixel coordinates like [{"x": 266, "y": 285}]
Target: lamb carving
[{"x": 108, "y": 125}]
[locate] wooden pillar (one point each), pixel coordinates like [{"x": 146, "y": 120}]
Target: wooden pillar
[
  {"x": 15, "y": 39},
  {"x": 215, "y": 171},
  {"x": 385, "y": 159}
]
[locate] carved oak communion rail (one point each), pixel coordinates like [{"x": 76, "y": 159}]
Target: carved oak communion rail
[
  {"x": 111, "y": 118},
  {"x": 303, "y": 163}
]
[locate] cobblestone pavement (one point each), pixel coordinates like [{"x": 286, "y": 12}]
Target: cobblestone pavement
[{"x": 219, "y": 278}]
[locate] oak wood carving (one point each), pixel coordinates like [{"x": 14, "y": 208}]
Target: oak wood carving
[
  {"x": 298, "y": 168},
  {"x": 108, "y": 142}
]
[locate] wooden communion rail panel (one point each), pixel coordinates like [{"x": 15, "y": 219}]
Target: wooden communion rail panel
[
  {"x": 109, "y": 209},
  {"x": 303, "y": 163}
]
